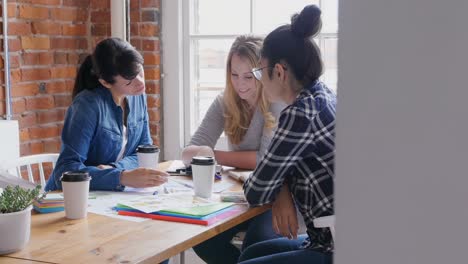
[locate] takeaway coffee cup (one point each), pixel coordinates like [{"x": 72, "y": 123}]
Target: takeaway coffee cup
[
  {"x": 203, "y": 171},
  {"x": 148, "y": 156},
  {"x": 75, "y": 185}
]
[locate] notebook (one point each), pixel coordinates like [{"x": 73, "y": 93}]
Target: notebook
[{"x": 225, "y": 214}]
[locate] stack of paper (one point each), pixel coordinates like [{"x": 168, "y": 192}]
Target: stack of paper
[
  {"x": 177, "y": 208},
  {"x": 53, "y": 202}
]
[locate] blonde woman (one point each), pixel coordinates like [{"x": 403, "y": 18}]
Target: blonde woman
[
  {"x": 247, "y": 119},
  {"x": 242, "y": 112}
]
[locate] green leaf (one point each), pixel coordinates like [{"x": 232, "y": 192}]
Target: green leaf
[{"x": 15, "y": 199}]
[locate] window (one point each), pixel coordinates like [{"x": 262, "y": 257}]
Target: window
[
  {"x": 215, "y": 23},
  {"x": 196, "y": 37}
]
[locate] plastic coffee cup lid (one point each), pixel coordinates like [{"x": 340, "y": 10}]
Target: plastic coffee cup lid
[
  {"x": 147, "y": 149},
  {"x": 203, "y": 160},
  {"x": 75, "y": 176}
]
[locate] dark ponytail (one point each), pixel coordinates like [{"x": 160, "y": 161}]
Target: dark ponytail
[
  {"x": 293, "y": 45},
  {"x": 85, "y": 78},
  {"x": 111, "y": 57}
]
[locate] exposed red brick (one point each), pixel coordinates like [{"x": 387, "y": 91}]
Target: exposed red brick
[
  {"x": 18, "y": 105},
  {"x": 38, "y": 58},
  {"x": 80, "y": 3},
  {"x": 14, "y": 61},
  {"x": 152, "y": 73},
  {"x": 35, "y": 43},
  {"x": 62, "y": 100},
  {"x": 135, "y": 16},
  {"x": 33, "y": 12},
  {"x": 12, "y": 10},
  {"x": 74, "y": 30},
  {"x": 150, "y": 3},
  {"x": 100, "y": 29},
  {"x": 50, "y": 116},
  {"x": 103, "y": 4},
  {"x": 39, "y": 103},
  {"x": 19, "y": 28},
  {"x": 154, "y": 114},
  {"x": 152, "y": 58},
  {"x": 69, "y": 14},
  {"x": 154, "y": 128},
  {"x": 45, "y": 27},
  {"x": 24, "y": 89},
  {"x": 43, "y": 132},
  {"x": 36, "y": 147},
  {"x": 35, "y": 74},
  {"x": 135, "y": 5},
  {"x": 13, "y": 45},
  {"x": 69, "y": 43},
  {"x": 52, "y": 145},
  {"x": 24, "y": 135},
  {"x": 73, "y": 58},
  {"x": 152, "y": 87},
  {"x": 62, "y": 72},
  {"x": 150, "y": 15},
  {"x": 45, "y": 2},
  {"x": 26, "y": 120},
  {"x": 56, "y": 87},
  {"x": 150, "y": 45},
  {"x": 100, "y": 16},
  {"x": 148, "y": 30},
  {"x": 153, "y": 101}
]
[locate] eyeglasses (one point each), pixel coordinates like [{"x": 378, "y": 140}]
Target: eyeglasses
[{"x": 257, "y": 72}]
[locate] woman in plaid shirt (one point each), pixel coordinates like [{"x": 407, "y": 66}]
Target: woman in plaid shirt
[{"x": 297, "y": 170}]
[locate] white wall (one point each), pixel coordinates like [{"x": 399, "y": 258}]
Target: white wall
[
  {"x": 9, "y": 140},
  {"x": 402, "y": 132}
]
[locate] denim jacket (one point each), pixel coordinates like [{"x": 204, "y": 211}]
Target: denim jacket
[{"x": 92, "y": 135}]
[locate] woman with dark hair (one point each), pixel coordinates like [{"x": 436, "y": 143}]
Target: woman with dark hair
[
  {"x": 297, "y": 169},
  {"x": 107, "y": 120}
]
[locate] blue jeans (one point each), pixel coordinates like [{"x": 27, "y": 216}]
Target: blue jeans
[
  {"x": 283, "y": 250},
  {"x": 219, "y": 248}
]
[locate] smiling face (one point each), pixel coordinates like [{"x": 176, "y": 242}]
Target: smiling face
[{"x": 242, "y": 79}]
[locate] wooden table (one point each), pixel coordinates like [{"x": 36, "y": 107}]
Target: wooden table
[
  {"x": 101, "y": 239},
  {"x": 10, "y": 260}
]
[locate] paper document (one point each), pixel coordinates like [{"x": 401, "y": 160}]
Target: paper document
[
  {"x": 240, "y": 175},
  {"x": 154, "y": 203},
  {"x": 7, "y": 179}
]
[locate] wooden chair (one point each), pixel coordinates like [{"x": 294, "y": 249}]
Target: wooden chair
[{"x": 15, "y": 166}]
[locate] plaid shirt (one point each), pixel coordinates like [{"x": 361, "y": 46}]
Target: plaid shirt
[{"x": 301, "y": 153}]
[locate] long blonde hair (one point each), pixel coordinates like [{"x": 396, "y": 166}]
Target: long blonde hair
[{"x": 237, "y": 114}]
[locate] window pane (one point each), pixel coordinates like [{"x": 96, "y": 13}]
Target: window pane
[
  {"x": 329, "y": 16},
  {"x": 269, "y": 14},
  {"x": 223, "y": 17},
  {"x": 209, "y": 73},
  {"x": 329, "y": 48}
]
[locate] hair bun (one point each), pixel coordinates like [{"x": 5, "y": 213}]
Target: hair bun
[{"x": 307, "y": 23}]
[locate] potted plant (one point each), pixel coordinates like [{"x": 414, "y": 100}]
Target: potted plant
[{"x": 15, "y": 217}]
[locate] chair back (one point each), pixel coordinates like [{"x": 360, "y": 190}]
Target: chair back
[{"x": 15, "y": 166}]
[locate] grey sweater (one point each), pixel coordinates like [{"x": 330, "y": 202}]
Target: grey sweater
[{"x": 257, "y": 138}]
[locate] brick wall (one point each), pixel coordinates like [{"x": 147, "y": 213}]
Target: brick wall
[{"x": 47, "y": 39}]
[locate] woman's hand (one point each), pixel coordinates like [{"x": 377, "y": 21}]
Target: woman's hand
[
  {"x": 191, "y": 151},
  {"x": 284, "y": 214},
  {"x": 143, "y": 177}
]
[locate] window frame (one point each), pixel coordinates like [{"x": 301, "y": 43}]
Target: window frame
[{"x": 177, "y": 52}]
